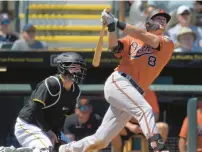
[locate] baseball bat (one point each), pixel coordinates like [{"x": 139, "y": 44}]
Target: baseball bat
[{"x": 98, "y": 50}]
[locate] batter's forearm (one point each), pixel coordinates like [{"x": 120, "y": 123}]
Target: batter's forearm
[
  {"x": 130, "y": 30},
  {"x": 112, "y": 40},
  {"x": 135, "y": 32}
]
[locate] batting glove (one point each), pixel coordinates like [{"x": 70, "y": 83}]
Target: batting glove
[{"x": 108, "y": 18}]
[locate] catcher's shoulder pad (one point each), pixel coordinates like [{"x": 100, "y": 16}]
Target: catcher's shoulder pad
[{"x": 53, "y": 85}]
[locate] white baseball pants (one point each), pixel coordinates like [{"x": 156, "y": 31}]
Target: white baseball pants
[
  {"x": 30, "y": 135},
  {"x": 125, "y": 102}
]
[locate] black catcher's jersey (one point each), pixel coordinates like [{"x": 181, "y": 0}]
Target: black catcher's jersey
[{"x": 49, "y": 103}]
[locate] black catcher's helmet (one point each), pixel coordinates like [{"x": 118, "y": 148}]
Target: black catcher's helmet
[
  {"x": 72, "y": 66},
  {"x": 150, "y": 25}
]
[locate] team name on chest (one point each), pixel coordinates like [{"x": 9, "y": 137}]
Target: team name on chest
[{"x": 137, "y": 50}]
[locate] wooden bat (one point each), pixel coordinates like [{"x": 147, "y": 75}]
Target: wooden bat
[{"x": 98, "y": 50}]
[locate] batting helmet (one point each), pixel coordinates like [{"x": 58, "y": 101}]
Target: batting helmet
[
  {"x": 151, "y": 25},
  {"x": 72, "y": 66}
]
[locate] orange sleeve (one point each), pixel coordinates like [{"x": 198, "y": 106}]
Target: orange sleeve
[
  {"x": 151, "y": 98},
  {"x": 184, "y": 129},
  {"x": 166, "y": 43}
]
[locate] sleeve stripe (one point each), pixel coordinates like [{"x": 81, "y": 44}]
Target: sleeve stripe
[{"x": 37, "y": 100}]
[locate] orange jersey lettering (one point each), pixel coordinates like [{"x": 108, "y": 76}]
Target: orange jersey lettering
[{"x": 142, "y": 62}]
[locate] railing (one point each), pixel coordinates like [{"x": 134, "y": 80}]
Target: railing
[{"x": 192, "y": 124}]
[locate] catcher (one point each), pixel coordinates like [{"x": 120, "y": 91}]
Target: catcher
[{"x": 40, "y": 121}]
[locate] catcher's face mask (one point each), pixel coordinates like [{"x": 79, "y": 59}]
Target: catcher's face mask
[
  {"x": 73, "y": 71},
  {"x": 72, "y": 66}
]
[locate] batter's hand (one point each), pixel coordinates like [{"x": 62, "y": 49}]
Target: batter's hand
[
  {"x": 53, "y": 138},
  {"x": 108, "y": 18}
]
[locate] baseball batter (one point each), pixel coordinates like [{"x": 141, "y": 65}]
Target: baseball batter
[
  {"x": 40, "y": 121},
  {"x": 143, "y": 55}
]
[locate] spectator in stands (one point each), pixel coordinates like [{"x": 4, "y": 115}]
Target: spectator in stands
[
  {"x": 28, "y": 42},
  {"x": 184, "y": 131},
  {"x": 7, "y": 38},
  {"x": 198, "y": 12},
  {"x": 186, "y": 39},
  {"x": 132, "y": 127},
  {"x": 169, "y": 5},
  {"x": 147, "y": 11},
  {"x": 83, "y": 123},
  {"x": 198, "y": 6},
  {"x": 184, "y": 18}
]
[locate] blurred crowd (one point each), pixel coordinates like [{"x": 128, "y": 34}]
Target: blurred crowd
[
  {"x": 184, "y": 27},
  {"x": 13, "y": 41}
]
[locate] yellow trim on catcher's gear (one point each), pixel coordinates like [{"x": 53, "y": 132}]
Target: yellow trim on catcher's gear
[
  {"x": 37, "y": 100},
  {"x": 61, "y": 77}
]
